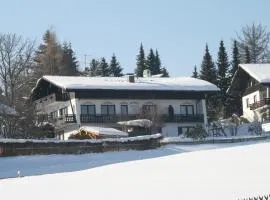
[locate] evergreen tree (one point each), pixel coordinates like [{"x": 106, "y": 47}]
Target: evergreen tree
[
  {"x": 103, "y": 68},
  {"x": 208, "y": 73},
  {"x": 70, "y": 63},
  {"x": 223, "y": 79},
  {"x": 234, "y": 104},
  {"x": 49, "y": 56},
  {"x": 157, "y": 65},
  {"x": 151, "y": 61},
  {"x": 195, "y": 73},
  {"x": 208, "y": 69},
  {"x": 93, "y": 69},
  {"x": 223, "y": 76},
  {"x": 115, "y": 69},
  {"x": 164, "y": 71},
  {"x": 235, "y": 59},
  {"x": 247, "y": 55},
  {"x": 141, "y": 62}
]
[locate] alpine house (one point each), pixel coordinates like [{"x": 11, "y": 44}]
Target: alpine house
[
  {"x": 251, "y": 83},
  {"x": 173, "y": 104}
]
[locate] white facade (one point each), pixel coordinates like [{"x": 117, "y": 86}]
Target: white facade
[
  {"x": 134, "y": 108},
  {"x": 247, "y": 100},
  {"x": 178, "y": 102}
]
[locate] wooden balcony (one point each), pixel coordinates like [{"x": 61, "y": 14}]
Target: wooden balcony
[
  {"x": 259, "y": 104},
  {"x": 117, "y": 118},
  {"x": 42, "y": 103},
  {"x": 105, "y": 118},
  {"x": 70, "y": 118}
]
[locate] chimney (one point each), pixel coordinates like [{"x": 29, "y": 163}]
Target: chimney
[{"x": 131, "y": 78}]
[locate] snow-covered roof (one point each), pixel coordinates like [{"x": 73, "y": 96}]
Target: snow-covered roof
[
  {"x": 260, "y": 72},
  {"x": 104, "y": 131},
  {"x": 137, "y": 122},
  {"x": 122, "y": 83},
  {"x": 4, "y": 109}
]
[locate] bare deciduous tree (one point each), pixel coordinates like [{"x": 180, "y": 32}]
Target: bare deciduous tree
[
  {"x": 15, "y": 62},
  {"x": 16, "y": 56},
  {"x": 256, "y": 38}
]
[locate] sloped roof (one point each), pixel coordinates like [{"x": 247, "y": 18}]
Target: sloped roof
[
  {"x": 122, "y": 83},
  {"x": 260, "y": 72}
]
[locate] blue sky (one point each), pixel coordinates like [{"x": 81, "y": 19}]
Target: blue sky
[{"x": 98, "y": 28}]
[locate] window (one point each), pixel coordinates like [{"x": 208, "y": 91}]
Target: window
[
  {"x": 63, "y": 111},
  {"x": 108, "y": 109},
  {"x": 149, "y": 108},
  {"x": 186, "y": 109},
  {"x": 88, "y": 109},
  {"x": 247, "y": 102},
  {"x": 124, "y": 109},
  {"x": 53, "y": 115},
  {"x": 255, "y": 98}
]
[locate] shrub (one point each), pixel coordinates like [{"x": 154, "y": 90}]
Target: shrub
[
  {"x": 82, "y": 135},
  {"x": 197, "y": 133},
  {"x": 244, "y": 120}
]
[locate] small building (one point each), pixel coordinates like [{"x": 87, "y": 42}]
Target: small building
[
  {"x": 251, "y": 83},
  {"x": 174, "y": 105}
]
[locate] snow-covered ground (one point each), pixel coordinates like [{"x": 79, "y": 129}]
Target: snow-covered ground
[{"x": 170, "y": 172}]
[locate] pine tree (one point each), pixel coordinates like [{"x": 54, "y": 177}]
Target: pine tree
[
  {"x": 164, "y": 72},
  {"x": 49, "y": 56},
  {"x": 195, "y": 73},
  {"x": 247, "y": 55},
  {"x": 223, "y": 76},
  {"x": 233, "y": 104},
  {"x": 115, "y": 69},
  {"x": 157, "y": 66},
  {"x": 92, "y": 70},
  {"x": 208, "y": 69},
  {"x": 235, "y": 59},
  {"x": 208, "y": 73},
  {"x": 103, "y": 68},
  {"x": 151, "y": 61},
  {"x": 141, "y": 62},
  {"x": 223, "y": 79},
  {"x": 70, "y": 63}
]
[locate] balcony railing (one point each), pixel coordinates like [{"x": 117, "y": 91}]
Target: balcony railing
[
  {"x": 184, "y": 118},
  {"x": 116, "y": 118},
  {"x": 105, "y": 118},
  {"x": 50, "y": 99},
  {"x": 70, "y": 118},
  {"x": 259, "y": 104}
]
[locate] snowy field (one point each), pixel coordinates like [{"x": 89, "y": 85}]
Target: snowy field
[{"x": 208, "y": 171}]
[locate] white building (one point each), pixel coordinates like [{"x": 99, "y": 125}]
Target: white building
[
  {"x": 72, "y": 102},
  {"x": 251, "y": 83}
]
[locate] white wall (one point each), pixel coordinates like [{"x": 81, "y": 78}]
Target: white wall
[
  {"x": 247, "y": 113},
  {"x": 171, "y": 129}
]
